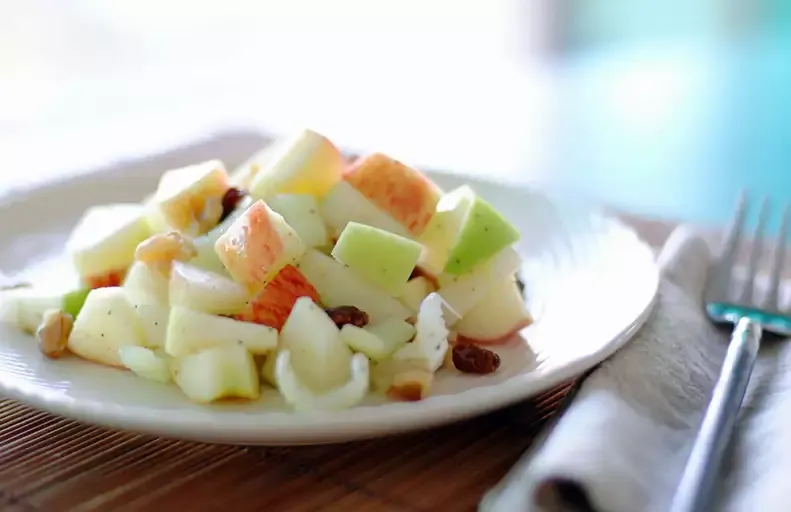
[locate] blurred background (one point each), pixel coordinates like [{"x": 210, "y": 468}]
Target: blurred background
[{"x": 662, "y": 108}]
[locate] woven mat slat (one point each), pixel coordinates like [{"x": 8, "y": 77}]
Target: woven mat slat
[{"x": 53, "y": 464}]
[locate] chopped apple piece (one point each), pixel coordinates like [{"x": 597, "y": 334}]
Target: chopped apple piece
[
  {"x": 25, "y": 307},
  {"x": 204, "y": 291},
  {"x": 393, "y": 332},
  {"x": 496, "y": 317},
  {"x": 404, "y": 193},
  {"x": 183, "y": 194},
  {"x": 340, "y": 286},
  {"x": 427, "y": 350},
  {"x": 145, "y": 284},
  {"x": 366, "y": 342},
  {"x": 242, "y": 177},
  {"x": 154, "y": 321},
  {"x": 268, "y": 369},
  {"x": 301, "y": 212},
  {"x": 382, "y": 258},
  {"x": 344, "y": 204},
  {"x": 303, "y": 398},
  {"x": 415, "y": 290},
  {"x": 191, "y": 331},
  {"x": 102, "y": 245},
  {"x": 257, "y": 245},
  {"x": 306, "y": 163},
  {"x": 207, "y": 257},
  {"x": 215, "y": 373},
  {"x": 274, "y": 303},
  {"x": 106, "y": 323},
  {"x": 145, "y": 363},
  {"x": 463, "y": 292},
  {"x": 319, "y": 357}
]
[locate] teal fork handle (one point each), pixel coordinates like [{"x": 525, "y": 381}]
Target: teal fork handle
[{"x": 697, "y": 488}]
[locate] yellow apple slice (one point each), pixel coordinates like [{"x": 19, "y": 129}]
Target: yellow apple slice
[
  {"x": 183, "y": 194},
  {"x": 204, "y": 291},
  {"x": 402, "y": 192},
  {"x": 257, "y": 245},
  {"x": 104, "y": 241},
  {"x": 306, "y": 163}
]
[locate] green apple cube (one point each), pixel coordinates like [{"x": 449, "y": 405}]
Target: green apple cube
[
  {"x": 319, "y": 357},
  {"x": 393, "y": 331},
  {"x": 145, "y": 363},
  {"x": 106, "y": 323},
  {"x": 219, "y": 372},
  {"x": 191, "y": 331},
  {"x": 344, "y": 204},
  {"x": 382, "y": 258},
  {"x": 301, "y": 212},
  {"x": 207, "y": 257},
  {"x": 465, "y": 231},
  {"x": 106, "y": 237},
  {"x": 339, "y": 285},
  {"x": 74, "y": 300}
]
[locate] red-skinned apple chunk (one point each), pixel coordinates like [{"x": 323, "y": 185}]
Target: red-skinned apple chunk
[
  {"x": 404, "y": 193},
  {"x": 257, "y": 246},
  {"x": 274, "y": 303}
]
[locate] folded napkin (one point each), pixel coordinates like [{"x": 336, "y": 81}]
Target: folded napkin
[{"x": 623, "y": 442}]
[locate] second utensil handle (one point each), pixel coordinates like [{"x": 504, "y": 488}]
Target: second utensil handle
[{"x": 697, "y": 486}]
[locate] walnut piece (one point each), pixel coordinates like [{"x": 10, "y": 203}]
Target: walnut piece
[
  {"x": 163, "y": 249},
  {"x": 53, "y": 333}
]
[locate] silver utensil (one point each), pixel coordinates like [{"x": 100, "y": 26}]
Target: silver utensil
[{"x": 727, "y": 303}]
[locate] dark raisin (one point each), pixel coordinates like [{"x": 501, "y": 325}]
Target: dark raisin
[
  {"x": 343, "y": 315},
  {"x": 469, "y": 358},
  {"x": 230, "y": 199}
]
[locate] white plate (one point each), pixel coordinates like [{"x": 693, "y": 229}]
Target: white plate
[{"x": 591, "y": 282}]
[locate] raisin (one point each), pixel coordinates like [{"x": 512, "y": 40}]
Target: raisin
[
  {"x": 469, "y": 358},
  {"x": 343, "y": 315},
  {"x": 230, "y": 199}
]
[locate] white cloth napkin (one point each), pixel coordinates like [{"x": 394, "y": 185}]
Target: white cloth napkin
[{"x": 623, "y": 442}]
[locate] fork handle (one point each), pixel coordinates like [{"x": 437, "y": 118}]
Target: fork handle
[{"x": 696, "y": 489}]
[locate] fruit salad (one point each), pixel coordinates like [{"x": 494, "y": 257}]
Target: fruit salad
[{"x": 322, "y": 278}]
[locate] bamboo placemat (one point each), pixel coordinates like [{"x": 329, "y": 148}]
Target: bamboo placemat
[{"x": 54, "y": 464}]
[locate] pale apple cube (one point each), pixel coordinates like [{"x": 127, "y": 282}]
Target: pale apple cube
[
  {"x": 106, "y": 323},
  {"x": 154, "y": 321},
  {"x": 402, "y": 192},
  {"x": 257, "y": 245},
  {"x": 319, "y": 357},
  {"x": 301, "y": 212},
  {"x": 382, "y": 258},
  {"x": 24, "y": 308},
  {"x": 338, "y": 285},
  {"x": 242, "y": 177},
  {"x": 443, "y": 230},
  {"x": 200, "y": 290},
  {"x": 305, "y": 163},
  {"x": 496, "y": 317},
  {"x": 105, "y": 239},
  {"x": 145, "y": 363},
  {"x": 146, "y": 284},
  {"x": 393, "y": 331},
  {"x": 344, "y": 204},
  {"x": 190, "y": 331},
  {"x": 182, "y": 193},
  {"x": 366, "y": 342},
  {"x": 415, "y": 290},
  {"x": 215, "y": 373}
]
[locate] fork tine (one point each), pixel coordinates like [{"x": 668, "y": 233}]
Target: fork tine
[
  {"x": 772, "y": 298},
  {"x": 755, "y": 254},
  {"x": 722, "y": 278}
]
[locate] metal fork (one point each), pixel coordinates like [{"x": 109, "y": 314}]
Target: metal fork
[{"x": 751, "y": 317}]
